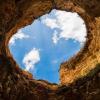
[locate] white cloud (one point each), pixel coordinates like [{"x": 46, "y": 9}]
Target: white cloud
[
  {"x": 18, "y": 35},
  {"x": 31, "y": 59},
  {"x": 51, "y": 23},
  {"x": 55, "y": 37},
  {"x": 71, "y": 26}
]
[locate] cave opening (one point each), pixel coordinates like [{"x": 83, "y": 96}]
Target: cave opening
[{"x": 51, "y": 39}]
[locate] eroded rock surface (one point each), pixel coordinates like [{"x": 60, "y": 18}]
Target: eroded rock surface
[{"x": 80, "y": 76}]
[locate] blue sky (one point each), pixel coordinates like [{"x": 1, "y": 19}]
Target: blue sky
[{"x": 53, "y": 38}]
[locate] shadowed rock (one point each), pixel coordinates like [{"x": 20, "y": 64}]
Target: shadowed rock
[{"x": 79, "y": 76}]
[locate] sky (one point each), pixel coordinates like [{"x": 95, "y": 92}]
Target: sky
[{"x": 53, "y": 38}]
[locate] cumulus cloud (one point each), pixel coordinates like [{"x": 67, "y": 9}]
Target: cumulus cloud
[
  {"x": 55, "y": 37},
  {"x": 19, "y": 35},
  {"x": 71, "y": 26},
  {"x": 52, "y": 23},
  {"x": 31, "y": 58}
]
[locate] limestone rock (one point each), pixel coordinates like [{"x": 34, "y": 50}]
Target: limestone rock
[{"x": 79, "y": 76}]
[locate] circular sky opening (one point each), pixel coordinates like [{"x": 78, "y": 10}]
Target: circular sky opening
[{"x": 51, "y": 39}]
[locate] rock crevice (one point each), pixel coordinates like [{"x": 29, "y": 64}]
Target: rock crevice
[{"x": 79, "y": 76}]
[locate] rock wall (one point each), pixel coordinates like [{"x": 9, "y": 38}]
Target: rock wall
[{"x": 79, "y": 76}]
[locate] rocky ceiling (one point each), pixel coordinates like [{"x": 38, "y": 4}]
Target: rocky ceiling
[{"x": 79, "y": 77}]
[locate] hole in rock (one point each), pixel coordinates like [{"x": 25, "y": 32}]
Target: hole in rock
[{"x": 51, "y": 39}]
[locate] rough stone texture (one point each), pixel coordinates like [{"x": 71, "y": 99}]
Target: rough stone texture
[{"x": 80, "y": 76}]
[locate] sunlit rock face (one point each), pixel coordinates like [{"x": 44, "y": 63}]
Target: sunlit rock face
[
  {"x": 51, "y": 39},
  {"x": 83, "y": 69}
]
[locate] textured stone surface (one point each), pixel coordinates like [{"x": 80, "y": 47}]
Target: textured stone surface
[{"x": 79, "y": 76}]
